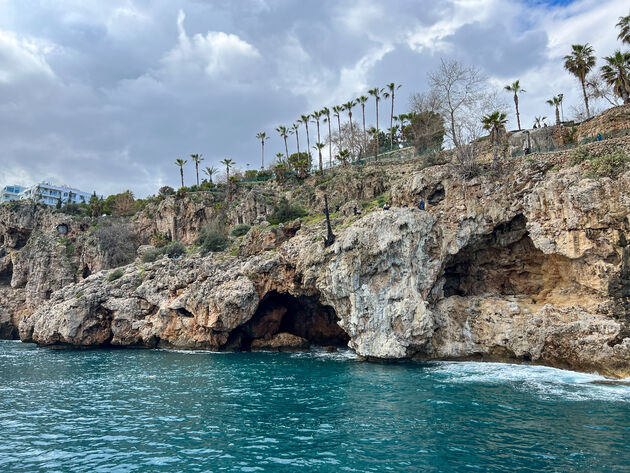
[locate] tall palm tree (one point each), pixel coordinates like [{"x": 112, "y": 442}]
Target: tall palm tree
[
  {"x": 579, "y": 63},
  {"x": 284, "y": 133},
  {"x": 391, "y": 91},
  {"x": 517, "y": 89},
  {"x": 180, "y": 163},
  {"x": 196, "y": 159},
  {"x": 228, "y": 163},
  {"x": 262, "y": 136},
  {"x": 495, "y": 124},
  {"x": 555, "y": 101},
  {"x": 210, "y": 171},
  {"x": 376, "y": 93},
  {"x": 326, "y": 111},
  {"x": 616, "y": 73},
  {"x": 348, "y": 106},
  {"x": 362, "y": 101},
  {"x": 402, "y": 118},
  {"x": 305, "y": 119},
  {"x": 337, "y": 109},
  {"x": 624, "y": 29},
  {"x": 317, "y": 115},
  {"x": 295, "y": 128},
  {"x": 319, "y": 146}
]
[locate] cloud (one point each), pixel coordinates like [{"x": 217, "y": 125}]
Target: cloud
[{"x": 22, "y": 59}]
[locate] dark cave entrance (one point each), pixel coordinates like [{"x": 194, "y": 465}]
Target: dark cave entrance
[
  {"x": 506, "y": 262},
  {"x": 281, "y": 313}
]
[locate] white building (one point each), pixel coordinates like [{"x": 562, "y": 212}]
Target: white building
[
  {"x": 46, "y": 193},
  {"x": 8, "y": 193}
]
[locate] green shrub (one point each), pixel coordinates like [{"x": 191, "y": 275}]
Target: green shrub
[
  {"x": 610, "y": 164},
  {"x": 151, "y": 255},
  {"x": 117, "y": 274},
  {"x": 212, "y": 238},
  {"x": 283, "y": 211},
  {"x": 580, "y": 155},
  {"x": 240, "y": 230},
  {"x": 159, "y": 240},
  {"x": 174, "y": 248}
]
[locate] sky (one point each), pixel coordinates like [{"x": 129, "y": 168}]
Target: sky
[{"x": 105, "y": 95}]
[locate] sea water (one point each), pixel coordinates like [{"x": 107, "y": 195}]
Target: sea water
[{"x": 158, "y": 411}]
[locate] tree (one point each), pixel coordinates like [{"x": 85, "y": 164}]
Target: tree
[
  {"x": 305, "y": 119},
  {"x": 348, "y": 106},
  {"x": 281, "y": 167},
  {"x": 555, "y": 101},
  {"x": 326, "y": 112},
  {"x": 210, "y": 171},
  {"x": 179, "y": 162},
  {"x": 376, "y": 93},
  {"x": 295, "y": 129},
  {"x": 579, "y": 63},
  {"x": 262, "y": 136},
  {"x": 624, "y": 29},
  {"x": 516, "y": 89},
  {"x": 458, "y": 93},
  {"x": 337, "y": 109},
  {"x": 426, "y": 131},
  {"x": 616, "y": 73},
  {"x": 301, "y": 162},
  {"x": 390, "y": 92},
  {"x": 343, "y": 156},
  {"x": 317, "y": 115},
  {"x": 284, "y": 133},
  {"x": 539, "y": 122},
  {"x": 362, "y": 101},
  {"x": 96, "y": 205},
  {"x": 319, "y": 146},
  {"x": 196, "y": 159},
  {"x": 495, "y": 124},
  {"x": 350, "y": 139},
  {"x": 228, "y": 163},
  {"x": 123, "y": 204}
]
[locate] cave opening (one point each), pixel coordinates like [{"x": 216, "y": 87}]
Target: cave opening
[
  {"x": 6, "y": 274},
  {"x": 507, "y": 263},
  {"x": 283, "y": 322}
]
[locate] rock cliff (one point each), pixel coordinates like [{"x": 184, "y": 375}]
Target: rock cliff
[{"x": 526, "y": 263}]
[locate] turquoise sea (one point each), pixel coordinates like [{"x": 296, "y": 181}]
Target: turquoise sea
[{"x": 168, "y": 411}]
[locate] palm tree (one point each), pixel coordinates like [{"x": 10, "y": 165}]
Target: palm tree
[
  {"x": 516, "y": 88},
  {"x": 555, "y": 101},
  {"x": 343, "y": 156},
  {"x": 326, "y": 111},
  {"x": 295, "y": 128},
  {"x": 262, "y": 136},
  {"x": 392, "y": 88},
  {"x": 319, "y": 146},
  {"x": 210, "y": 171},
  {"x": 228, "y": 163},
  {"x": 337, "y": 109},
  {"x": 196, "y": 159},
  {"x": 375, "y": 92},
  {"x": 304, "y": 119},
  {"x": 317, "y": 115},
  {"x": 616, "y": 73},
  {"x": 579, "y": 63},
  {"x": 624, "y": 27},
  {"x": 348, "y": 106},
  {"x": 284, "y": 133},
  {"x": 363, "y": 100},
  {"x": 539, "y": 122},
  {"x": 495, "y": 124},
  {"x": 180, "y": 163},
  {"x": 402, "y": 118}
]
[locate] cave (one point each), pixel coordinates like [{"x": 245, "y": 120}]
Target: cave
[
  {"x": 17, "y": 238},
  {"x": 437, "y": 195},
  {"x": 6, "y": 275},
  {"x": 281, "y": 313},
  {"x": 86, "y": 272},
  {"x": 507, "y": 263}
]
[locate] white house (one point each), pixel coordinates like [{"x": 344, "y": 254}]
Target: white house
[
  {"x": 8, "y": 193},
  {"x": 46, "y": 193}
]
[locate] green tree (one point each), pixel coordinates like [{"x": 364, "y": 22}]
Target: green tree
[
  {"x": 495, "y": 124},
  {"x": 348, "y": 106},
  {"x": 579, "y": 63},
  {"x": 426, "y": 130},
  {"x": 317, "y": 115},
  {"x": 376, "y": 93},
  {"x": 262, "y": 136},
  {"x": 539, "y": 121},
  {"x": 555, "y": 101},
  {"x": 343, "y": 156},
  {"x": 301, "y": 162},
  {"x": 284, "y": 133},
  {"x": 210, "y": 171},
  {"x": 179, "y": 162},
  {"x": 391, "y": 92},
  {"x": 228, "y": 163},
  {"x": 624, "y": 29},
  {"x": 280, "y": 169},
  {"x": 326, "y": 112},
  {"x": 295, "y": 129},
  {"x": 305, "y": 119},
  {"x": 196, "y": 159},
  {"x": 516, "y": 89},
  {"x": 337, "y": 109},
  {"x": 319, "y": 146},
  {"x": 362, "y": 101},
  {"x": 95, "y": 204},
  {"x": 616, "y": 73}
]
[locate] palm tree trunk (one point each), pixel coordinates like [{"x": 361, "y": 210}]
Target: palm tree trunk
[
  {"x": 329, "y": 143},
  {"x": 518, "y": 116},
  {"x": 557, "y": 115},
  {"x": 376, "y": 155},
  {"x": 197, "y": 171},
  {"x": 262, "y": 162},
  {"x": 181, "y": 172},
  {"x": 391, "y": 125},
  {"x": 319, "y": 140},
  {"x": 495, "y": 149},
  {"x": 588, "y": 112},
  {"x": 286, "y": 148},
  {"x": 308, "y": 140},
  {"x": 297, "y": 138},
  {"x": 364, "y": 135}
]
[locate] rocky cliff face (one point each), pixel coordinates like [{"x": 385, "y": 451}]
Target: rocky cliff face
[{"x": 528, "y": 263}]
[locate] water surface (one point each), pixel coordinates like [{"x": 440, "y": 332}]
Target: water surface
[{"x": 158, "y": 411}]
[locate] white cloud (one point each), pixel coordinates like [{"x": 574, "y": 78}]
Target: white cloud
[
  {"x": 216, "y": 55},
  {"x": 23, "y": 58}
]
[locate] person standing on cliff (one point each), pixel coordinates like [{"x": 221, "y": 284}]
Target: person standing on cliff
[{"x": 421, "y": 204}]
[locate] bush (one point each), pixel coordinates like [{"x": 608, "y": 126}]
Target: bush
[
  {"x": 166, "y": 190},
  {"x": 117, "y": 242},
  {"x": 610, "y": 164},
  {"x": 240, "y": 230},
  {"x": 211, "y": 241},
  {"x": 174, "y": 248},
  {"x": 117, "y": 274},
  {"x": 159, "y": 240},
  {"x": 580, "y": 155},
  {"x": 283, "y": 211}
]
